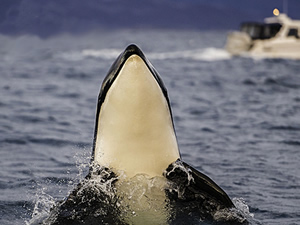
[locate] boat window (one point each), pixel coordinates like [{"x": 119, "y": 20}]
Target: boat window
[
  {"x": 261, "y": 31},
  {"x": 253, "y": 29},
  {"x": 273, "y": 29},
  {"x": 293, "y": 32}
]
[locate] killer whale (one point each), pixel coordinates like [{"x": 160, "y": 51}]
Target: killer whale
[
  {"x": 134, "y": 135},
  {"x": 133, "y": 105}
]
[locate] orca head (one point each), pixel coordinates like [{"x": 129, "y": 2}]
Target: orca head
[{"x": 134, "y": 131}]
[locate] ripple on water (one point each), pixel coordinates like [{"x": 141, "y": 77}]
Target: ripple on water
[{"x": 235, "y": 118}]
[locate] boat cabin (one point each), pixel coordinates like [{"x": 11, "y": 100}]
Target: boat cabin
[
  {"x": 260, "y": 30},
  {"x": 272, "y": 26}
]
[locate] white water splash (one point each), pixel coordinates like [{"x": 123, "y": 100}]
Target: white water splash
[
  {"x": 206, "y": 54},
  {"x": 43, "y": 204},
  {"x": 240, "y": 214},
  {"x": 82, "y": 160},
  {"x": 143, "y": 200},
  {"x": 241, "y": 205},
  {"x": 211, "y": 54},
  {"x": 103, "y": 53}
]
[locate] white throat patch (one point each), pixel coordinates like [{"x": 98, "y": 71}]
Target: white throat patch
[{"x": 135, "y": 132}]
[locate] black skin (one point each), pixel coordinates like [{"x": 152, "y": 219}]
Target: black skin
[{"x": 189, "y": 200}]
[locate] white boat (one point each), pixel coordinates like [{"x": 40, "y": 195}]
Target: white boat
[{"x": 277, "y": 37}]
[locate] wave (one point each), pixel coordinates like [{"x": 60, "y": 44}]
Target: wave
[
  {"x": 206, "y": 54},
  {"x": 42, "y": 207}
]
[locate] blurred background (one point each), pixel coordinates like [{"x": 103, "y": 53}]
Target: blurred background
[
  {"x": 49, "y": 18},
  {"x": 237, "y": 119}
]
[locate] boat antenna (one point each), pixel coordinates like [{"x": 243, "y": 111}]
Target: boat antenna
[{"x": 285, "y": 6}]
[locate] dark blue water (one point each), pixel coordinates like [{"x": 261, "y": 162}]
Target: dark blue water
[{"x": 237, "y": 119}]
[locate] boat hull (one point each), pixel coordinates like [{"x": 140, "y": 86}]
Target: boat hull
[{"x": 240, "y": 43}]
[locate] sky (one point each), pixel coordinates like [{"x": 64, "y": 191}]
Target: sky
[{"x": 51, "y": 17}]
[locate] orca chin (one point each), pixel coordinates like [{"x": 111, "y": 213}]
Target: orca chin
[{"x": 137, "y": 175}]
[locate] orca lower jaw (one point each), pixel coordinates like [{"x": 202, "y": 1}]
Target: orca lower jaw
[{"x": 135, "y": 131}]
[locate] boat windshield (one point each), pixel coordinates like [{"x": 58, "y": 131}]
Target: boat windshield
[
  {"x": 293, "y": 32},
  {"x": 261, "y": 30}
]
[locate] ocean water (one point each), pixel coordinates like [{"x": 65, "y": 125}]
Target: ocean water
[{"x": 237, "y": 119}]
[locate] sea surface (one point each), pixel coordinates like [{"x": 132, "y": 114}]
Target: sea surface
[{"x": 237, "y": 119}]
